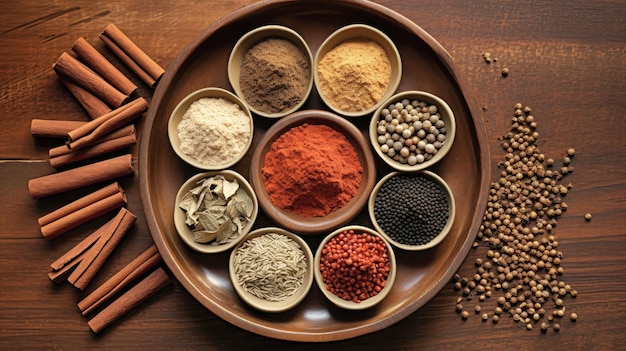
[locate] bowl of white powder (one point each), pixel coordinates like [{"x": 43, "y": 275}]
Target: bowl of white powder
[{"x": 211, "y": 129}]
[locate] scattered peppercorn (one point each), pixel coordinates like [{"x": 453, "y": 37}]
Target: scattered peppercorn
[
  {"x": 411, "y": 209},
  {"x": 573, "y": 316},
  {"x": 355, "y": 265},
  {"x": 556, "y": 327},
  {"x": 587, "y": 217},
  {"x": 464, "y": 314},
  {"x": 523, "y": 261},
  {"x": 505, "y": 72}
]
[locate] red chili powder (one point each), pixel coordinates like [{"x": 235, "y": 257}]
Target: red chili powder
[{"x": 311, "y": 170}]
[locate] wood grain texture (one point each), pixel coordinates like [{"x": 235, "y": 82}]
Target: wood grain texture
[{"x": 566, "y": 61}]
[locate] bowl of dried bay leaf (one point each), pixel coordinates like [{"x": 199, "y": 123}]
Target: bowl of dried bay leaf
[{"x": 215, "y": 210}]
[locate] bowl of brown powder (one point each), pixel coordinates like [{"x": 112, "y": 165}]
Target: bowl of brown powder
[
  {"x": 312, "y": 172},
  {"x": 210, "y": 129},
  {"x": 269, "y": 68},
  {"x": 355, "y": 69}
]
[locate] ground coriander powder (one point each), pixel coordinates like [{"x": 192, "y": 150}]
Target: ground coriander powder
[{"x": 354, "y": 75}]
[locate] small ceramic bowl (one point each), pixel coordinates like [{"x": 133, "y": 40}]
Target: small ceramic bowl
[
  {"x": 352, "y": 32},
  {"x": 177, "y": 116},
  {"x": 313, "y": 225},
  {"x": 289, "y": 302},
  {"x": 369, "y": 302},
  {"x": 185, "y": 232},
  {"x": 442, "y": 234},
  {"x": 445, "y": 114},
  {"x": 252, "y": 38}
]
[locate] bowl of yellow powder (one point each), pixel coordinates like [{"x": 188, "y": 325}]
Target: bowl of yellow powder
[
  {"x": 210, "y": 129},
  {"x": 269, "y": 68},
  {"x": 355, "y": 69}
]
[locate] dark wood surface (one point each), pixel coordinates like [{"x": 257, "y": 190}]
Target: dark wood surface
[{"x": 566, "y": 61}]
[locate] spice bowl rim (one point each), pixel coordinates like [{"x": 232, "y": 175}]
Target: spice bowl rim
[
  {"x": 181, "y": 108},
  {"x": 314, "y": 225},
  {"x": 369, "y": 302},
  {"x": 293, "y": 300},
  {"x": 442, "y": 234},
  {"x": 355, "y": 31},
  {"x": 253, "y": 37},
  {"x": 183, "y": 230},
  {"x": 444, "y": 111}
]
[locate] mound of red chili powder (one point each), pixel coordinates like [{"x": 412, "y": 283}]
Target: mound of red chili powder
[
  {"x": 311, "y": 170},
  {"x": 354, "y": 265}
]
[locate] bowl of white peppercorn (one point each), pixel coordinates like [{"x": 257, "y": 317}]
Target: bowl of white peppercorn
[
  {"x": 412, "y": 130},
  {"x": 211, "y": 129},
  {"x": 414, "y": 211},
  {"x": 271, "y": 269}
]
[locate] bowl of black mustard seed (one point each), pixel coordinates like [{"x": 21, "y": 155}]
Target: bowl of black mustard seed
[{"x": 413, "y": 211}]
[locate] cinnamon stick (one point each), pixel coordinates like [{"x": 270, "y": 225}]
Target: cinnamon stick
[
  {"x": 57, "y": 276},
  {"x": 83, "y": 215},
  {"x": 98, "y": 149},
  {"x": 96, "y": 122},
  {"x": 137, "y": 60},
  {"x": 97, "y": 62},
  {"x": 50, "y": 128},
  {"x": 114, "y": 232},
  {"x": 84, "y": 201},
  {"x": 78, "y": 139},
  {"x": 76, "y": 251},
  {"x": 90, "y": 81},
  {"x": 122, "y": 132},
  {"x": 146, "y": 288},
  {"x": 91, "y": 103},
  {"x": 81, "y": 176},
  {"x": 135, "y": 269}
]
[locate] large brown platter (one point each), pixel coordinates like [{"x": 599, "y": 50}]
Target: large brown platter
[{"x": 420, "y": 275}]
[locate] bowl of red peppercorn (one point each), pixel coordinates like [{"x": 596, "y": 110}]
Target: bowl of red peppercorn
[
  {"x": 412, "y": 130},
  {"x": 355, "y": 267},
  {"x": 413, "y": 210}
]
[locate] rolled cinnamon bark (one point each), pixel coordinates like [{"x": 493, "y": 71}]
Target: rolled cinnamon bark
[
  {"x": 97, "y": 62},
  {"x": 149, "y": 286},
  {"x": 84, "y": 215},
  {"x": 91, "y": 103},
  {"x": 50, "y": 128},
  {"x": 84, "y": 201},
  {"x": 76, "y": 252},
  {"x": 122, "y": 132},
  {"x": 90, "y": 81},
  {"x": 124, "y": 117},
  {"x": 90, "y": 265},
  {"x": 137, "y": 60},
  {"x": 81, "y": 176},
  {"x": 95, "y": 150},
  {"x": 135, "y": 269}
]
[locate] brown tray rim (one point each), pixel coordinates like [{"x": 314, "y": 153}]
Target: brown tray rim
[{"x": 484, "y": 164}]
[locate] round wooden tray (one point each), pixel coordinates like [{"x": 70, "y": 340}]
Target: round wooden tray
[{"x": 421, "y": 275}]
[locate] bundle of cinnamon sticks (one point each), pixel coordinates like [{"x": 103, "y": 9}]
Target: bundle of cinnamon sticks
[{"x": 109, "y": 98}]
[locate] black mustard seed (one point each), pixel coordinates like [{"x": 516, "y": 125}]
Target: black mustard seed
[{"x": 411, "y": 209}]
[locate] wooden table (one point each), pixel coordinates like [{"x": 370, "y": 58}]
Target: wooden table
[{"x": 566, "y": 61}]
